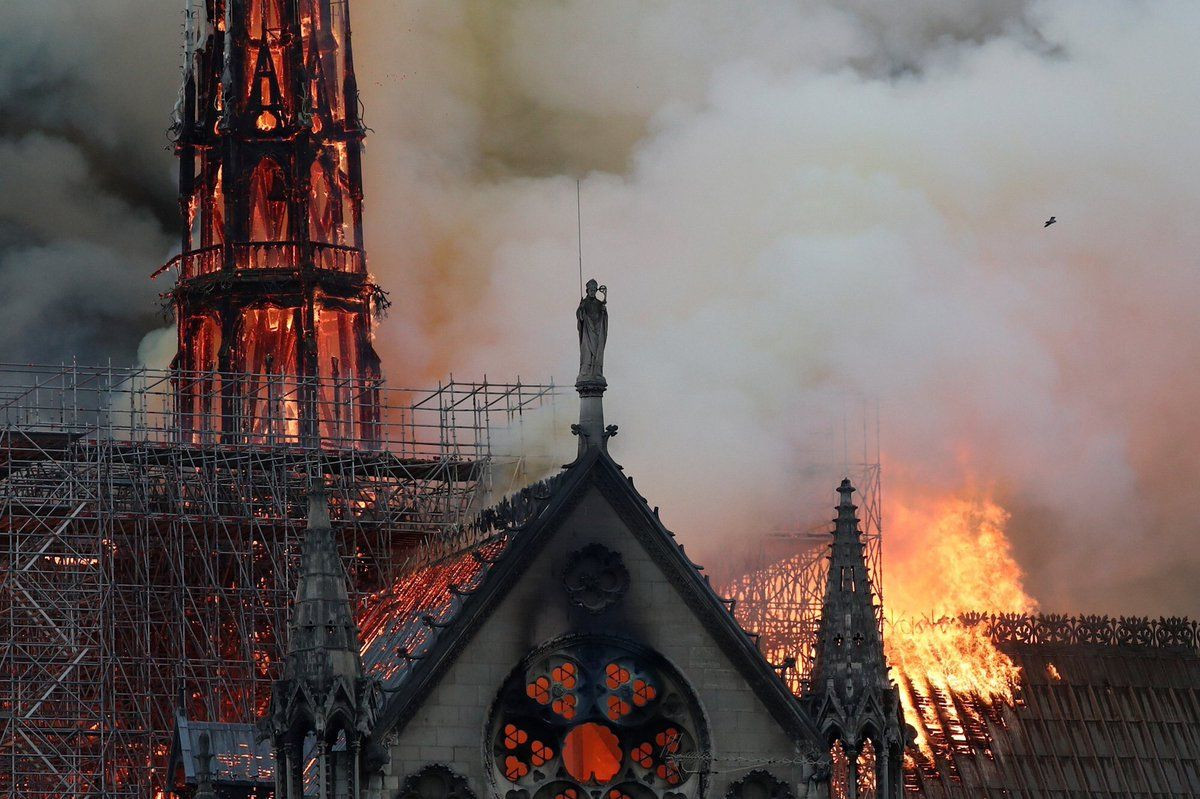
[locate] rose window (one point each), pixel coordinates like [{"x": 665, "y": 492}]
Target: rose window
[{"x": 598, "y": 719}]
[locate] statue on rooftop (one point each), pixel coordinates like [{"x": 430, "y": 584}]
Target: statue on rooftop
[{"x": 592, "y": 319}]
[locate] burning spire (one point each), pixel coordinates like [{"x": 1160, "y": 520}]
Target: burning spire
[{"x": 273, "y": 301}]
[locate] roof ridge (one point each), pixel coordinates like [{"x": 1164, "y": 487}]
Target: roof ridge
[{"x": 507, "y": 515}]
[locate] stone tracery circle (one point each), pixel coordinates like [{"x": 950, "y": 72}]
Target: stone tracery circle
[{"x": 596, "y": 717}]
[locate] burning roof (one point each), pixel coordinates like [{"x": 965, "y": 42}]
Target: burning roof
[{"x": 1102, "y": 707}]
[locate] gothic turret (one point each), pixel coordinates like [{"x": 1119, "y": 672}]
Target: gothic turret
[
  {"x": 324, "y": 692},
  {"x": 855, "y": 703}
]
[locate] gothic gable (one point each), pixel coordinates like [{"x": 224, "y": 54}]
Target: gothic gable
[{"x": 595, "y": 587}]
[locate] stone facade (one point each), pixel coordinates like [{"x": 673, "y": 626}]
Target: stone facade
[{"x": 452, "y": 723}]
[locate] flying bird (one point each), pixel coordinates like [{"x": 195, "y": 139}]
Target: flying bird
[{"x": 1050, "y": 221}]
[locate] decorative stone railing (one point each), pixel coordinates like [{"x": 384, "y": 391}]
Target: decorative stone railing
[{"x": 1173, "y": 632}]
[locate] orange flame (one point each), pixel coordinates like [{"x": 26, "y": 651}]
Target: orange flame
[{"x": 954, "y": 558}]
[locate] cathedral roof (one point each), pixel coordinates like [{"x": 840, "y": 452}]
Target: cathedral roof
[
  {"x": 414, "y": 631},
  {"x": 1105, "y": 708},
  {"x": 240, "y": 759}
]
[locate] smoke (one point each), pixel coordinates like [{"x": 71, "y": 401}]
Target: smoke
[
  {"x": 801, "y": 207},
  {"x": 805, "y": 206},
  {"x": 87, "y": 194}
]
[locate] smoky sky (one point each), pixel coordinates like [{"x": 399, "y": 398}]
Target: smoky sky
[{"x": 802, "y": 207}]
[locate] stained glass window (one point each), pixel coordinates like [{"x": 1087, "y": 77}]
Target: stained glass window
[{"x": 597, "y": 714}]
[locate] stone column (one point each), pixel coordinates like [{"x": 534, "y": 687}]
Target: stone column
[
  {"x": 851, "y": 772},
  {"x": 591, "y": 414}
]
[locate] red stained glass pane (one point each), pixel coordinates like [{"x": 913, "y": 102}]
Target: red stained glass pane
[
  {"x": 514, "y": 769},
  {"x": 616, "y": 676},
  {"x": 643, "y": 693},
  {"x": 592, "y": 754},
  {"x": 618, "y": 708}
]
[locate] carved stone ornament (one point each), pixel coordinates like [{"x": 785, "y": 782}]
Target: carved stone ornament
[
  {"x": 435, "y": 782},
  {"x": 595, "y": 578},
  {"x": 759, "y": 784}
]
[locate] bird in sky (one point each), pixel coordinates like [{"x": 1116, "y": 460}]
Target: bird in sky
[{"x": 1050, "y": 221}]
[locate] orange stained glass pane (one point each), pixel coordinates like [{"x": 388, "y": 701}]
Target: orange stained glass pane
[
  {"x": 592, "y": 754},
  {"x": 541, "y": 754},
  {"x": 643, "y": 755},
  {"x": 617, "y": 794},
  {"x": 668, "y": 740},
  {"x": 618, "y": 708},
  {"x": 565, "y": 706},
  {"x": 670, "y": 773},
  {"x": 564, "y": 675},
  {"x": 643, "y": 692},
  {"x": 514, "y": 769},
  {"x": 616, "y": 676},
  {"x": 539, "y": 690},
  {"x": 569, "y": 793},
  {"x": 514, "y": 736}
]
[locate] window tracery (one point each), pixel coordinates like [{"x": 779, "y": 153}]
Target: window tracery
[
  {"x": 595, "y": 578},
  {"x": 598, "y": 718}
]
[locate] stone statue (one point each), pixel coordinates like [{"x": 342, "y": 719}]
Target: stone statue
[{"x": 592, "y": 319}]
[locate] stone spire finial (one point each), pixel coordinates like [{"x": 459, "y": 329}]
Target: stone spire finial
[
  {"x": 324, "y": 689},
  {"x": 851, "y": 694},
  {"x": 323, "y": 643},
  {"x": 592, "y": 322},
  {"x": 849, "y": 654},
  {"x": 203, "y": 757}
]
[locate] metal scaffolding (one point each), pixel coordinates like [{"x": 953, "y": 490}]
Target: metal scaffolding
[{"x": 147, "y": 563}]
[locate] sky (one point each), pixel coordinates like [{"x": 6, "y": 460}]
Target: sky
[{"x": 803, "y": 209}]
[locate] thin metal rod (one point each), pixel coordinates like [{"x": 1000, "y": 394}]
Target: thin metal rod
[{"x": 579, "y": 230}]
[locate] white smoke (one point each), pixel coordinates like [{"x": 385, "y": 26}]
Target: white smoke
[
  {"x": 793, "y": 201},
  {"x": 797, "y": 201}
]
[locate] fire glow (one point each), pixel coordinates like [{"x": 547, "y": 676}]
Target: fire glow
[{"x": 965, "y": 565}]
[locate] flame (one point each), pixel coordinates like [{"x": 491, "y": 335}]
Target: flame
[{"x": 954, "y": 558}]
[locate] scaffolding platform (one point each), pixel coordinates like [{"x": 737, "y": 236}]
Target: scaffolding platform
[{"x": 148, "y": 561}]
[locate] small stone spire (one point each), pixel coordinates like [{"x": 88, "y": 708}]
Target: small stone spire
[
  {"x": 592, "y": 322},
  {"x": 324, "y": 689},
  {"x": 323, "y": 637},
  {"x": 852, "y": 697},
  {"x": 849, "y": 656}
]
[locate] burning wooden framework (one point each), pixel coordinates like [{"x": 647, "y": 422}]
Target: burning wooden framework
[
  {"x": 272, "y": 281},
  {"x": 1103, "y": 707},
  {"x": 147, "y": 571}
]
